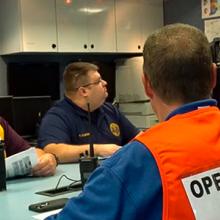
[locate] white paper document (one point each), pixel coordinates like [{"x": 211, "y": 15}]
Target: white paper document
[{"x": 21, "y": 164}]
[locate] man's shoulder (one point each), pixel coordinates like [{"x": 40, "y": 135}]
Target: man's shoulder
[
  {"x": 109, "y": 108},
  {"x": 60, "y": 106},
  {"x": 131, "y": 153},
  {"x": 131, "y": 163},
  {"x": 107, "y": 105}
]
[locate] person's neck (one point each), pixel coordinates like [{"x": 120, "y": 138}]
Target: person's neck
[
  {"x": 162, "y": 109},
  {"x": 167, "y": 109},
  {"x": 79, "y": 102}
]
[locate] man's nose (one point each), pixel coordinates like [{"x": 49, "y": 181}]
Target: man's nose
[{"x": 104, "y": 83}]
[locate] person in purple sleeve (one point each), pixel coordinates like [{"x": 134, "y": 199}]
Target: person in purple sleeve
[{"x": 14, "y": 143}]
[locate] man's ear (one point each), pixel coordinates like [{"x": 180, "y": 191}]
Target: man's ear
[
  {"x": 83, "y": 91},
  {"x": 213, "y": 75},
  {"x": 147, "y": 86}
]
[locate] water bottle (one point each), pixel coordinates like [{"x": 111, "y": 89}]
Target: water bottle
[{"x": 2, "y": 167}]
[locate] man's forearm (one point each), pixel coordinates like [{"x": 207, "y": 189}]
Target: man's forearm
[{"x": 67, "y": 153}]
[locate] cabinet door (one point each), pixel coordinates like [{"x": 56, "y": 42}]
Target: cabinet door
[
  {"x": 10, "y": 36},
  {"x": 152, "y": 17},
  {"x": 72, "y": 26},
  {"x": 128, "y": 25},
  {"x": 101, "y": 26},
  {"x": 38, "y": 23}
]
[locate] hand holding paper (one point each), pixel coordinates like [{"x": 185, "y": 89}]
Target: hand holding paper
[{"x": 21, "y": 164}]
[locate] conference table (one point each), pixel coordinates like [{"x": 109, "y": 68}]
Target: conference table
[{"x": 21, "y": 192}]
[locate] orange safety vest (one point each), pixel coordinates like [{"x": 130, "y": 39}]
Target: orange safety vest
[{"x": 184, "y": 145}]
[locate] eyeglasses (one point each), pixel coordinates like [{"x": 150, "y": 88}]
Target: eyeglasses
[
  {"x": 93, "y": 83},
  {"x": 100, "y": 80}
]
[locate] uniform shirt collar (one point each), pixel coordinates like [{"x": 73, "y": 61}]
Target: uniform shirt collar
[
  {"x": 81, "y": 111},
  {"x": 192, "y": 106}
]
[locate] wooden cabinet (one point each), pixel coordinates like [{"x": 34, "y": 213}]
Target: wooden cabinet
[
  {"x": 86, "y": 26},
  {"x": 135, "y": 20},
  {"x": 28, "y": 26}
]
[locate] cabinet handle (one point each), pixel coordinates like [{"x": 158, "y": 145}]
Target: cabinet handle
[
  {"x": 139, "y": 47},
  {"x": 85, "y": 46},
  {"x": 92, "y": 46},
  {"x": 53, "y": 46}
]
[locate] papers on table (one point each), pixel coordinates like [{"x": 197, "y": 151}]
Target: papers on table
[{"x": 21, "y": 164}]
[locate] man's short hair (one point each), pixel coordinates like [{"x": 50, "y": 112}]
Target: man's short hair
[
  {"x": 177, "y": 61},
  {"x": 76, "y": 74}
]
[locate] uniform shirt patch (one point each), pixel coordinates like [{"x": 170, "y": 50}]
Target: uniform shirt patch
[{"x": 114, "y": 128}]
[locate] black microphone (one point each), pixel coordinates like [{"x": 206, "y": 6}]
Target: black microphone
[
  {"x": 88, "y": 162},
  {"x": 2, "y": 167},
  {"x": 91, "y": 147}
]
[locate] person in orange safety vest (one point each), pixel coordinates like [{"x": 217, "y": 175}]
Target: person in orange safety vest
[{"x": 172, "y": 170}]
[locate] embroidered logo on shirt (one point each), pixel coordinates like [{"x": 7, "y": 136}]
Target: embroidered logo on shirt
[
  {"x": 114, "y": 128},
  {"x": 83, "y": 135}
]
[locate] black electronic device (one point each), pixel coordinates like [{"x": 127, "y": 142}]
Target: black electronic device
[
  {"x": 34, "y": 79},
  {"x": 77, "y": 186},
  {"x": 87, "y": 165},
  {"x": 2, "y": 167},
  {"x": 48, "y": 205},
  {"x": 88, "y": 162}
]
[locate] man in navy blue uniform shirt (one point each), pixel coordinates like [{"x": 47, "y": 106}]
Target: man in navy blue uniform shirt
[{"x": 65, "y": 130}]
